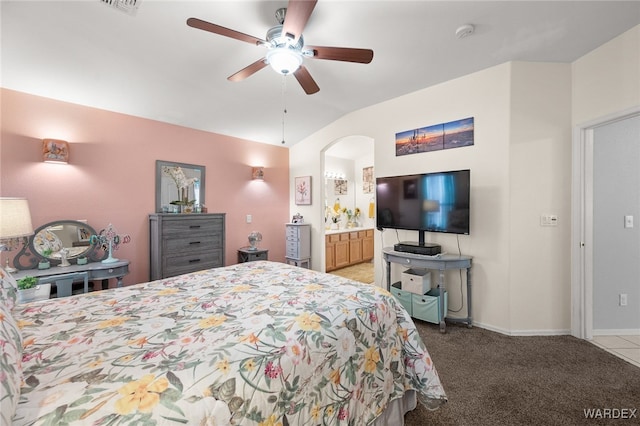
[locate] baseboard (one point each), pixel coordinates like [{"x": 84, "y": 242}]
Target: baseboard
[
  {"x": 617, "y": 332},
  {"x": 560, "y": 332}
]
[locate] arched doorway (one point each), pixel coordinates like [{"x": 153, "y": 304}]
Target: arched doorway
[{"x": 348, "y": 187}]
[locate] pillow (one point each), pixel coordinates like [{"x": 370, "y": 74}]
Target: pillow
[
  {"x": 8, "y": 289},
  {"x": 10, "y": 365}
]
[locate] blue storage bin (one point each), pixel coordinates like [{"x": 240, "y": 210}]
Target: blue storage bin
[
  {"x": 427, "y": 307},
  {"x": 404, "y": 297}
]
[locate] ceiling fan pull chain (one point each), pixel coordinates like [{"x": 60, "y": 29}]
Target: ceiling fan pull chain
[{"x": 284, "y": 104}]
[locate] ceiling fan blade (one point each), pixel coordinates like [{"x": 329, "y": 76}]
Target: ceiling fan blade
[
  {"x": 306, "y": 81},
  {"x": 298, "y": 13},
  {"x": 217, "y": 29},
  {"x": 249, "y": 70},
  {"x": 346, "y": 54}
]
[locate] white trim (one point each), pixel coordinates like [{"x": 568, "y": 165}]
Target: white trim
[
  {"x": 514, "y": 333},
  {"x": 582, "y": 222},
  {"x": 618, "y": 332}
]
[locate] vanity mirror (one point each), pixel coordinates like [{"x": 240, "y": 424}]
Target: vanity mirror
[
  {"x": 170, "y": 194},
  {"x": 68, "y": 239}
]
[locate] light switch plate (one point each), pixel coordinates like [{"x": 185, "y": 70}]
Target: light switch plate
[
  {"x": 628, "y": 221},
  {"x": 548, "y": 220}
]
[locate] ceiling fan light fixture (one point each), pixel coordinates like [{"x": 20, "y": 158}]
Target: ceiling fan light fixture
[{"x": 284, "y": 60}]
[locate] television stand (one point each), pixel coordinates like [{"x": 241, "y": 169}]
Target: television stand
[{"x": 440, "y": 262}]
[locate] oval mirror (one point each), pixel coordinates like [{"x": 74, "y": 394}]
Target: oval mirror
[{"x": 49, "y": 239}]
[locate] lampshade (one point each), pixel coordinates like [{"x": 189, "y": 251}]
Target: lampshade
[
  {"x": 15, "y": 218},
  {"x": 284, "y": 60},
  {"x": 55, "y": 151}
]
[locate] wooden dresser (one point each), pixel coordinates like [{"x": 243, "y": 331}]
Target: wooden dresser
[{"x": 182, "y": 243}]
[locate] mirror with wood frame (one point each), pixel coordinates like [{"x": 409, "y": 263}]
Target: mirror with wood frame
[{"x": 170, "y": 192}]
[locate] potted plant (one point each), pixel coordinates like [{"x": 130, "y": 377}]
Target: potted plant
[
  {"x": 44, "y": 262},
  {"x": 29, "y": 290}
]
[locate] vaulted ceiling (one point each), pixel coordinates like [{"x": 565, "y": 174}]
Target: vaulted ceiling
[{"x": 151, "y": 64}]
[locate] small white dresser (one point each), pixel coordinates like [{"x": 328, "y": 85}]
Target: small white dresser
[{"x": 298, "y": 250}]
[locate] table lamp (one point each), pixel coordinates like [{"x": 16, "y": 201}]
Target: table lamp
[{"x": 15, "y": 224}]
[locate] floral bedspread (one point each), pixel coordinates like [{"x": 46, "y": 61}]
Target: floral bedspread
[{"x": 259, "y": 343}]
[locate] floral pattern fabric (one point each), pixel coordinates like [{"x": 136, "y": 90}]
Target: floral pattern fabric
[{"x": 259, "y": 343}]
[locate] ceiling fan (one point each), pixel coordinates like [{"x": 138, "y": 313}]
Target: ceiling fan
[{"x": 285, "y": 44}]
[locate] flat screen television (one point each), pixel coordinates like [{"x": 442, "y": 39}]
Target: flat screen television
[{"x": 428, "y": 202}]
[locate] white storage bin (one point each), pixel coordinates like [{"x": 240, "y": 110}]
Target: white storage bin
[{"x": 416, "y": 280}]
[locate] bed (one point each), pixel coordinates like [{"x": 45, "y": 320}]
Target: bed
[{"x": 259, "y": 343}]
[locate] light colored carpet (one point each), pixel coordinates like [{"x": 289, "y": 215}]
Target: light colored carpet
[{"x": 362, "y": 272}]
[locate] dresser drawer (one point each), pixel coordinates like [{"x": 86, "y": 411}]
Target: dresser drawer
[
  {"x": 196, "y": 243},
  {"x": 293, "y": 233},
  {"x": 264, "y": 255},
  {"x": 183, "y": 243},
  {"x": 333, "y": 238},
  {"x": 291, "y": 244},
  {"x": 176, "y": 265},
  {"x": 298, "y": 241},
  {"x": 292, "y": 248},
  {"x": 194, "y": 226},
  {"x": 293, "y": 252}
]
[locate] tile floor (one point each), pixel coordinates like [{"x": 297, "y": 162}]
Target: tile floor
[{"x": 625, "y": 347}]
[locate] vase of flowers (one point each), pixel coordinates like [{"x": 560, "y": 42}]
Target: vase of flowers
[
  {"x": 334, "y": 218},
  {"x": 182, "y": 184}
]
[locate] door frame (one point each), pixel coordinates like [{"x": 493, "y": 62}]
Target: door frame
[{"x": 582, "y": 221}]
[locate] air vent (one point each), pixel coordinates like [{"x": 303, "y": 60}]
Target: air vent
[{"x": 129, "y": 7}]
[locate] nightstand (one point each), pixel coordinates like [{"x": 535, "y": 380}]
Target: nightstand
[{"x": 247, "y": 255}]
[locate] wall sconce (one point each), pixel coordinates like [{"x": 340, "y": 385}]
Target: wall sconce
[
  {"x": 257, "y": 173},
  {"x": 55, "y": 151}
]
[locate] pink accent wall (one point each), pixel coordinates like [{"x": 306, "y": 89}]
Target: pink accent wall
[{"x": 110, "y": 177}]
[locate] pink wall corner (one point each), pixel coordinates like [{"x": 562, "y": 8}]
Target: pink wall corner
[{"x": 110, "y": 177}]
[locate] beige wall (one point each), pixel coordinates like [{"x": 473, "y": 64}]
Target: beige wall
[
  {"x": 520, "y": 168},
  {"x": 540, "y": 183},
  {"x": 607, "y": 80},
  {"x": 111, "y": 175},
  {"x": 605, "y": 86},
  {"x": 484, "y": 96}
]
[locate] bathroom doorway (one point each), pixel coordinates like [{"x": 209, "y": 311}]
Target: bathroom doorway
[{"x": 348, "y": 207}]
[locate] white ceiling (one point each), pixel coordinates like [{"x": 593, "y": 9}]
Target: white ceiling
[{"x": 153, "y": 65}]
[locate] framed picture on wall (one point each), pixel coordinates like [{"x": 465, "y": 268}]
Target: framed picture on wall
[
  {"x": 83, "y": 234},
  {"x": 367, "y": 180},
  {"x": 340, "y": 186},
  {"x": 303, "y": 190}
]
